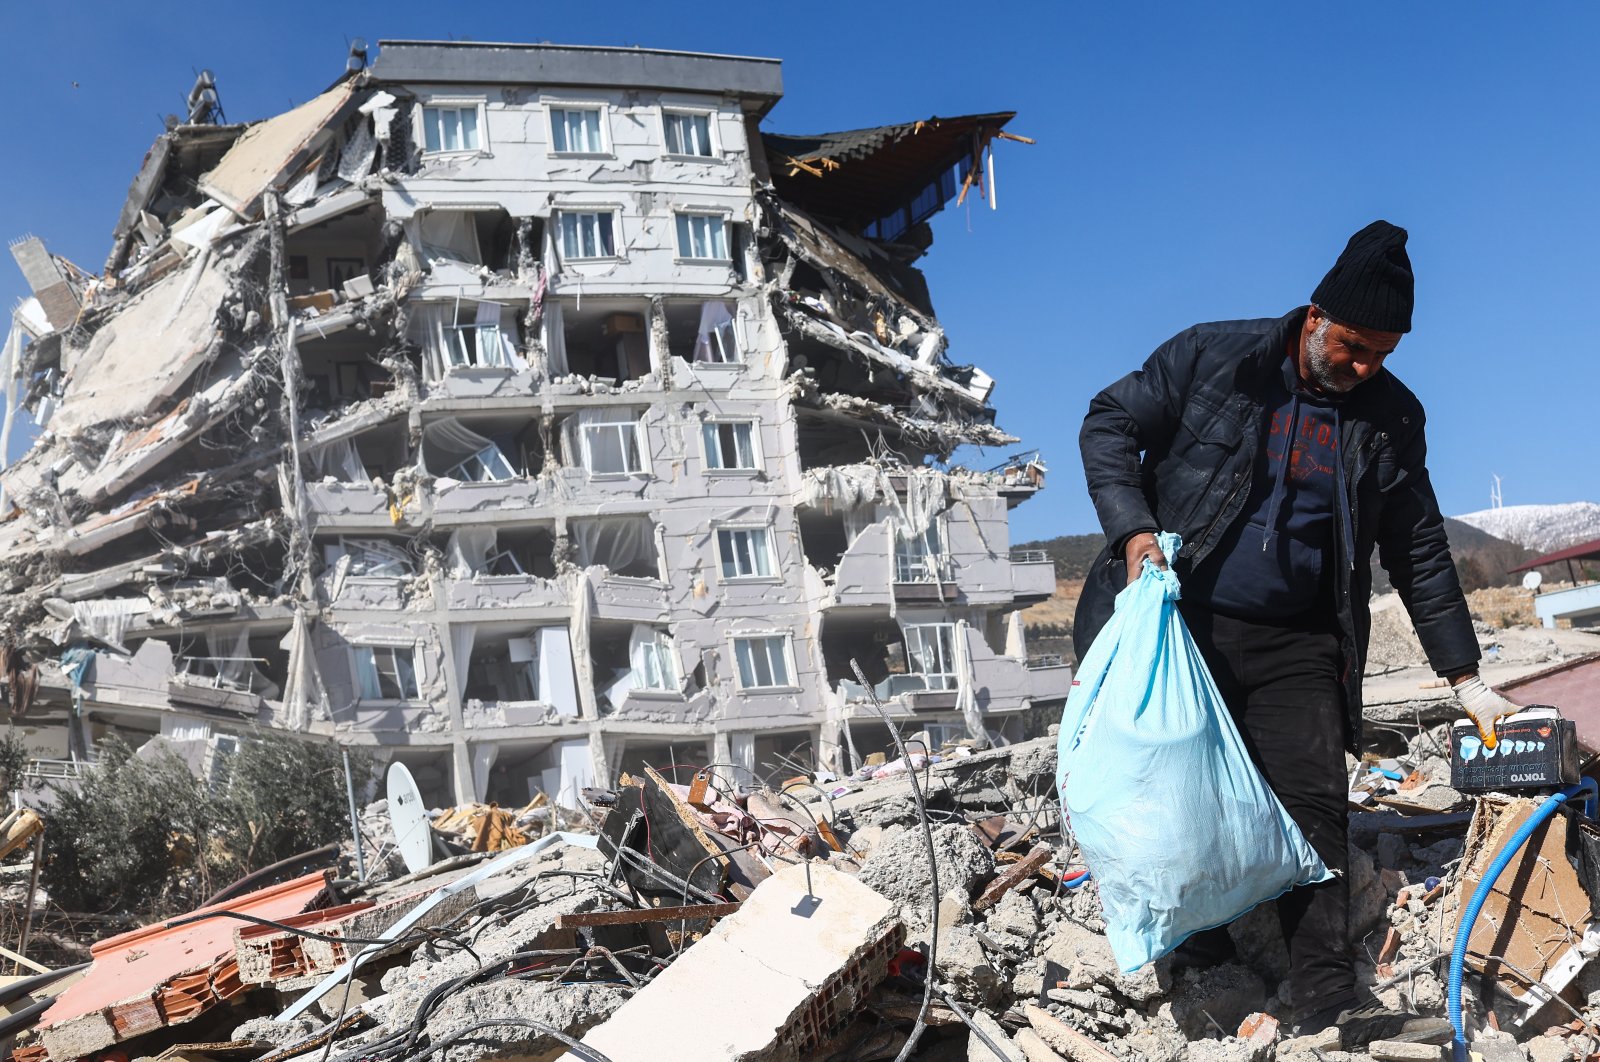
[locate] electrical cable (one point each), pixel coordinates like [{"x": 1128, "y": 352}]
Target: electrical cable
[
  {"x": 411, "y": 938},
  {"x": 933, "y": 868},
  {"x": 950, "y": 1002},
  {"x": 551, "y": 1031}
]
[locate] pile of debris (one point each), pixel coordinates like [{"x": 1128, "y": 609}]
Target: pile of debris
[{"x": 707, "y": 919}]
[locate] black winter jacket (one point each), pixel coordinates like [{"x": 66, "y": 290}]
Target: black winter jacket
[{"x": 1195, "y": 412}]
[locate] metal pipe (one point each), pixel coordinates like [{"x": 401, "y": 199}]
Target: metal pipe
[{"x": 355, "y": 822}]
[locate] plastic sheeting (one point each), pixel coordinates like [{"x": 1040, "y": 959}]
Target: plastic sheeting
[{"x": 621, "y": 543}]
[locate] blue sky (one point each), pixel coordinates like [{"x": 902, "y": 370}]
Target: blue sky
[{"x": 1194, "y": 162}]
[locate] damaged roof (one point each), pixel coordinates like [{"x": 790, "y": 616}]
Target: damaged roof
[{"x": 859, "y": 175}]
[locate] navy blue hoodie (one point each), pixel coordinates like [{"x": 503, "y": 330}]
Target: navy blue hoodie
[{"x": 1273, "y": 562}]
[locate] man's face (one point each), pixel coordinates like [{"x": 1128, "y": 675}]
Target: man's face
[{"x": 1339, "y": 357}]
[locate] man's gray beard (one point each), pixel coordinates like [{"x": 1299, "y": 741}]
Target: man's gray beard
[{"x": 1317, "y": 364}]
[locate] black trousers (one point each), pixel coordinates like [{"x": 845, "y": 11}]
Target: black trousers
[{"x": 1280, "y": 682}]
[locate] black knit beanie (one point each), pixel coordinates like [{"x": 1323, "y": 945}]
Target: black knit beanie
[{"x": 1371, "y": 284}]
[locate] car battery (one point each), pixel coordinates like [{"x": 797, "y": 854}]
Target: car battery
[{"x": 1534, "y": 749}]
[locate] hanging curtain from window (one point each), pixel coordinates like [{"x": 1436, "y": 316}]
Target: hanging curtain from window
[
  {"x": 469, "y": 550},
  {"x": 107, "y": 619},
  {"x": 462, "y": 638},
  {"x": 707, "y": 345},
  {"x": 618, "y": 543},
  {"x": 555, "y": 338},
  {"x": 650, "y": 656},
  {"x": 338, "y": 460},
  {"x": 446, "y": 443},
  {"x": 966, "y": 696},
  {"x": 230, "y": 652},
  {"x": 426, "y": 328},
  {"x": 449, "y": 235}
]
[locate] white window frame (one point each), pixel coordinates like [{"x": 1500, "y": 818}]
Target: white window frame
[
  {"x": 723, "y": 340},
  {"x": 661, "y": 665},
  {"x": 456, "y": 353},
  {"x": 730, "y": 554},
  {"x": 713, "y": 140},
  {"x": 607, "y": 148},
  {"x": 505, "y": 471},
  {"x": 362, "y": 655},
  {"x": 380, "y": 565},
  {"x": 562, "y": 213},
  {"x": 635, "y": 420},
  {"x": 923, "y": 565},
  {"x": 943, "y": 653},
  {"x": 785, "y": 656},
  {"x": 455, "y": 103},
  {"x": 715, "y": 457},
  {"x": 691, "y": 215}
]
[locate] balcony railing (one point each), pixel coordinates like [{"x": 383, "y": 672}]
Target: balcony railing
[{"x": 1029, "y": 556}]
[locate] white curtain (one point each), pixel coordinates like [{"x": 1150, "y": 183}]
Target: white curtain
[
  {"x": 555, "y": 338},
  {"x": 708, "y": 346},
  {"x": 617, "y": 542},
  {"x": 616, "y": 449},
  {"x": 447, "y": 443},
  {"x": 469, "y": 550},
  {"x": 966, "y": 696},
  {"x": 462, "y": 638},
  {"x": 340, "y": 460},
  {"x": 107, "y": 618},
  {"x": 857, "y": 519},
  {"x": 230, "y": 652},
  {"x": 651, "y": 657},
  {"x": 449, "y": 235},
  {"x": 433, "y": 326}
]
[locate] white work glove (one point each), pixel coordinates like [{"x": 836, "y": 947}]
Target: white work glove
[{"x": 1483, "y": 706}]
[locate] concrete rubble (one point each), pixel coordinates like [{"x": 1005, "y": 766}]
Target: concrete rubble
[{"x": 577, "y": 475}]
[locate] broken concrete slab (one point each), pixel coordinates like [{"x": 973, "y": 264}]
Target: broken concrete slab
[{"x": 802, "y": 950}]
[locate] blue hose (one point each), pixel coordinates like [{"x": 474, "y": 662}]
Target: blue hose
[{"x": 1502, "y": 859}]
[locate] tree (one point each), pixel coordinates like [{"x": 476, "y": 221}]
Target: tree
[{"x": 146, "y": 836}]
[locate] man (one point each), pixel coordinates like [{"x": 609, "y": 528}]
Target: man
[{"x": 1281, "y": 451}]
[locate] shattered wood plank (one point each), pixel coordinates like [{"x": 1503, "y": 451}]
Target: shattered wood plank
[
  {"x": 693, "y": 912},
  {"x": 1064, "y": 1038},
  {"x": 1017, "y": 873}
]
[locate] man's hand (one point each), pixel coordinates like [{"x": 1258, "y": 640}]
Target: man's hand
[
  {"x": 1139, "y": 547},
  {"x": 1483, "y": 705}
]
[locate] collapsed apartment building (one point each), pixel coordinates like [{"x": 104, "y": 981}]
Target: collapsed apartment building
[{"x": 526, "y": 414}]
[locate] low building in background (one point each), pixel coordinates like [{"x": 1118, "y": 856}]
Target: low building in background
[{"x": 527, "y": 414}]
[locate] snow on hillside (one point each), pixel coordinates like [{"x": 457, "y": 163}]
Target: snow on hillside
[{"x": 1540, "y": 527}]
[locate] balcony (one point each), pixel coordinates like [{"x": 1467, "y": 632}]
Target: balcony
[
  {"x": 1033, "y": 575},
  {"x": 1049, "y": 682},
  {"x": 352, "y": 503},
  {"x": 457, "y": 498},
  {"x": 505, "y": 591}
]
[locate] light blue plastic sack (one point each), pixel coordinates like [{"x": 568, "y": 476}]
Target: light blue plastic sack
[{"x": 1176, "y": 824}]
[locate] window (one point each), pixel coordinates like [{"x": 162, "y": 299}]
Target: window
[
  {"x": 716, "y": 341},
  {"x": 703, "y": 236},
  {"x": 387, "y": 673},
  {"x": 652, "y": 663},
  {"x": 450, "y": 128},
  {"x": 687, "y": 134},
  {"x": 932, "y": 651},
  {"x": 477, "y": 340},
  {"x": 746, "y": 553},
  {"x": 612, "y": 447},
  {"x": 920, "y": 558},
  {"x": 763, "y": 662},
  {"x": 730, "y": 444},
  {"x": 371, "y": 556},
  {"x": 587, "y": 235},
  {"x": 576, "y": 130},
  {"x": 488, "y": 465}
]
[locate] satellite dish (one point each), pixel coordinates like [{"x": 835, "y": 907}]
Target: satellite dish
[
  {"x": 413, "y": 835},
  {"x": 1532, "y": 580}
]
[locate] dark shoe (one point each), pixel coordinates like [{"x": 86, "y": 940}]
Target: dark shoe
[{"x": 1360, "y": 1024}]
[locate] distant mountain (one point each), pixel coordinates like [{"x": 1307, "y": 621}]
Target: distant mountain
[
  {"x": 1072, "y": 553},
  {"x": 1542, "y": 528}
]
